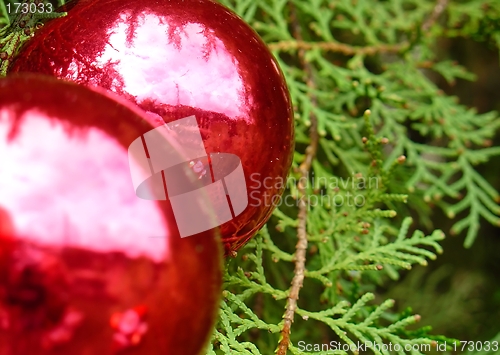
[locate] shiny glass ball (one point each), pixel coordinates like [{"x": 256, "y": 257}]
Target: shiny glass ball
[
  {"x": 87, "y": 267},
  {"x": 176, "y": 58}
]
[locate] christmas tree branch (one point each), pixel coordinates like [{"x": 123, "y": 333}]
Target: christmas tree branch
[
  {"x": 344, "y": 247},
  {"x": 331, "y": 46},
  {"x": 305, "y": 168}
]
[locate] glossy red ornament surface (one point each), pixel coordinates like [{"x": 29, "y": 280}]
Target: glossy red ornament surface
[
  {"x": 86, "y": 267},
  {"x": 176, "y": 58}
]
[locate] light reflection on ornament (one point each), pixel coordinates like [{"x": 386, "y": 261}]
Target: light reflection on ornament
[
  {"x": 195, "y": 67},
  {"x": 83, "y": 183}
]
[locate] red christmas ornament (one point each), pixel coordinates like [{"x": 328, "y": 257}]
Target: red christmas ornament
[
  {"x": 177, "y": 58},
  {"x": 87, "y": 267}
]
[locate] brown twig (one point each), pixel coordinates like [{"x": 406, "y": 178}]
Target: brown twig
[
  {"x": 299, "y": 44},
  {"x": 337, "y": 47},
  {"x": 436, "y": 12},
  {"x": 305, "y": 167},
  {"x": 301, "y": 247}
]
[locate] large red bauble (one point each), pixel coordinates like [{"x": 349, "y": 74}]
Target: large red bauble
[
  {"x": 176, "y": 58},
  {"x": 86, "y": 267}
]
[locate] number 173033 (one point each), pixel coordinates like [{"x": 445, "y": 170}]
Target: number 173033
[
  {"x": 476, "y": 346},
  {"x": 29, "y": 8}
]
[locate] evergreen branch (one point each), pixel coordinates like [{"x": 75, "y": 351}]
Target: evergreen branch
[
  {"x": 20, "y": 30},
  {"x": 365, "y": 334},
  {"x": 277, "y": 253},
  {"x": 403, "y": 252},
  {"x": 348, "y": 245}
]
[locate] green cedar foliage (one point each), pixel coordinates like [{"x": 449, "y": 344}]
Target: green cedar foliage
[{"x": 420, "y": 146}]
